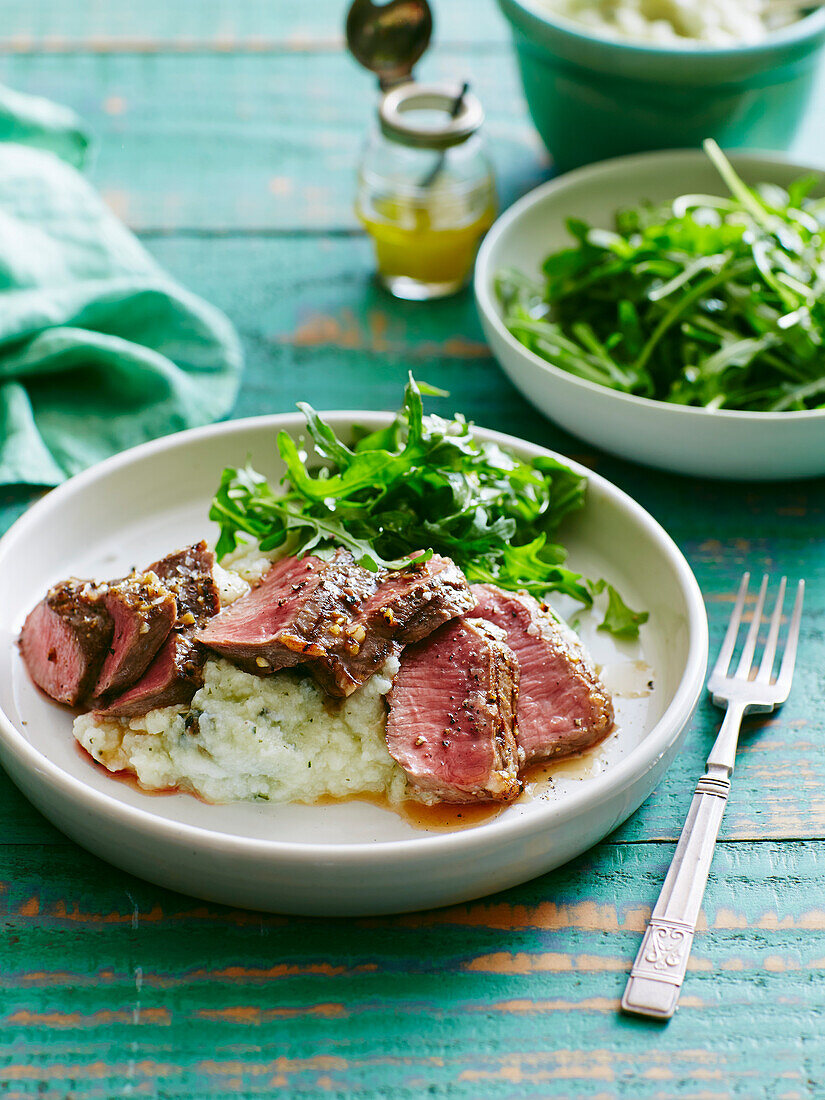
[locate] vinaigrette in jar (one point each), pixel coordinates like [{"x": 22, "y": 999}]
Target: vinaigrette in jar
[{"x": 426, "y": 194}]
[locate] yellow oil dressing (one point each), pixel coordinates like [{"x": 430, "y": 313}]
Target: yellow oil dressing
[
  {"x": 433, "y": 244},
  {"x": 426, "y": 193}
]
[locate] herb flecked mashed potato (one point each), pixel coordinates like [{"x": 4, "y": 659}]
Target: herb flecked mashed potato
[{"x": 245, "y": 737}]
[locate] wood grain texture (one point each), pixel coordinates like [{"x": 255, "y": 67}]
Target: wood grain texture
[
  {"x": 123, "y": 988},
  {"x": 227, "y": 134},
  {"x": 217, "y": 25},
  {"x": 279, "y": 149}
]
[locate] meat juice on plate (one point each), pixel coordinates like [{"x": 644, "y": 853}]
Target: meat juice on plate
[{"x": 632, "y": 684}]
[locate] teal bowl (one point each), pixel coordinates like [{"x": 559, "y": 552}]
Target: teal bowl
[{"x": 593, "y": 97}]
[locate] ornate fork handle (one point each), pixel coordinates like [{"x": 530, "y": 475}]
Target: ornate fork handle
[{"x": 660, "y": 966}]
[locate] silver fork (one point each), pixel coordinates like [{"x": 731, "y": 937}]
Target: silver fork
[{"x": 659, "y": 970}]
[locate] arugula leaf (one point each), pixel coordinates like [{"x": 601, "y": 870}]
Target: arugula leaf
[
  {"x": 422, "y": 485},
  {"x": 619, "y": 619},
  {"x": 714, "y": 301}
]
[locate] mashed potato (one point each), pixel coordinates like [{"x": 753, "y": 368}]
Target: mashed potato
[
  {"x": 669, "y": 22},
  {"x": 276, "y": 738},
  {"x": 247, "y": 562}
]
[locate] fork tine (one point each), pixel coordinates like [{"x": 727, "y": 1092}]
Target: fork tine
[
  {"x": 726, "y": 652},
  {"x": 766, "y": 668},
  {"x": 745, "y": 661},
  {"x": 783, "y": 680}
]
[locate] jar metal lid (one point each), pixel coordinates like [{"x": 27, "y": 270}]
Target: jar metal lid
[{"x": 397, "y": 110}]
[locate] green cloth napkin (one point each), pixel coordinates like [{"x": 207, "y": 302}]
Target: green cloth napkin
[{"x": 100, "y": 349}]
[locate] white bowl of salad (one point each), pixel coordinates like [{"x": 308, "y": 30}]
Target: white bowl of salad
[{"x": 670, "y": 308}]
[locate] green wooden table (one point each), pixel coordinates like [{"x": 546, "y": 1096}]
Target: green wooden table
[{"x": 228, "y": 132}]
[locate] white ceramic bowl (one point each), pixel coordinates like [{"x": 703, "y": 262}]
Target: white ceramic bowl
[
  {"x": 707, "y": 443},
  {"x": 355, "y": 857}
]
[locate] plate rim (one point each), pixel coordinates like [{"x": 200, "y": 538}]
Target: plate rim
[
  {"x": 614, "y": 166},
  {"x": 599, "y": 789}
]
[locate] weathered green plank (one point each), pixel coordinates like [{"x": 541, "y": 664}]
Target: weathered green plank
[
  {"x": 221, "y": 142},
  {"x": 215, "y": 142},
  {"x": 313, "y": 324},
  {"x": 220, "y": 25},
  {"x": 110, "y": 984}
]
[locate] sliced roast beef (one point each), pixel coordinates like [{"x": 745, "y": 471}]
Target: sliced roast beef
[
  {"x": 142, "y": 610},
  {"x": 339, "y": 619},
  {"x": 404, "y": 606},
  {"x": 176, "y": 672},
  {"x": 563, "y": 707},
  {"x": 411, "y": 603},
  {"x": 65, "y": 640},
  {"x": 173, "y": 677},
  {"x": 188, "y": 574},
  {"x": 452, "y": 718},
  {"x": 397, "y": 607},
  {"x": 256, "y": 631},
  {"x": 304, "y": 611},
  {"x": 350, "y": 651}
]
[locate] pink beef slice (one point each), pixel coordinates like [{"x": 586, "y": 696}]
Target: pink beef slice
[
  {"x": 176, "y": 672},
  {"x": 143, "y": 611},
  {"x": 452, "y": 718},
  {"x": 411, "y": 603},
  {"x": 563, "y": 707},
  {"x": 402, "y": 607},
  {"x": 405, "y": 606},
  {"x": 304, "y": 611},
  {"x": 65, "y": 640},
  {"x": 338, "y": 619}
]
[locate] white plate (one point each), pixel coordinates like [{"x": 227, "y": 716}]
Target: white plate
[
  {"x": 353, "y": 857},
  {"x": 703, "y": 442}
]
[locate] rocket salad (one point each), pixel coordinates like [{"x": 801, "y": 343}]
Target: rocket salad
[
  {"x": 712, "y": 301},
  {"x": 423, "y": 484}
]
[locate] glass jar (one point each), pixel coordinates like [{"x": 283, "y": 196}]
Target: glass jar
[{"x": 426, "y": 193}]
